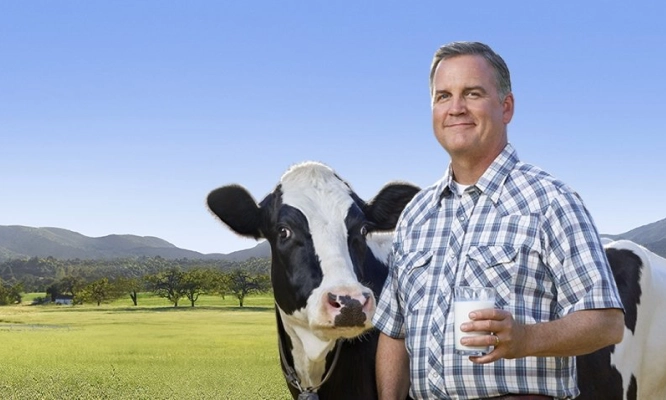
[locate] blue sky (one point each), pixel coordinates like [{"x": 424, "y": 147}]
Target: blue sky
[{"x": 118, "y": 117}]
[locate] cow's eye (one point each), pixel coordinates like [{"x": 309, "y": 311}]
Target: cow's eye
[
  {"x": 364, "y": 230},
  {"x": 284, "y": 233}
]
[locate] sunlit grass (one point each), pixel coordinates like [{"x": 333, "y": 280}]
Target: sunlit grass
[{"x": 215, "y": 350}]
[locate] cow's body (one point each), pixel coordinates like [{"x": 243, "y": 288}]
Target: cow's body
[
  {"x": 329, "y": 255},
  {"x": 634, "y": 368}
]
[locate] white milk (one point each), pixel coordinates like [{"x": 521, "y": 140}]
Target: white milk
[{"x": 461, "y": 309}]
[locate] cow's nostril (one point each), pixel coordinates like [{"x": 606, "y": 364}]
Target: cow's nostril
[{"x": 333, "y": 301}]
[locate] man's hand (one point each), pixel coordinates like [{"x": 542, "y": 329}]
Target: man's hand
[
  {"x": 580, "y": 332},
  {"x": 507, "y": 336}
]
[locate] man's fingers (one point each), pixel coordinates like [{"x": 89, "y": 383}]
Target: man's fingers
[{"x": 489, "y": 313}]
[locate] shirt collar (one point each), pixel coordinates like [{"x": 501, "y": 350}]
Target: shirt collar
[{"x": 492, "y": 180}]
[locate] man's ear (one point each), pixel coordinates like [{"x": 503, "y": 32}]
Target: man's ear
[{"x": 507, "y": 105}]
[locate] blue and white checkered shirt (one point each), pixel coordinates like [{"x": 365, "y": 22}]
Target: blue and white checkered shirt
[{"x": 518, "y": 230}]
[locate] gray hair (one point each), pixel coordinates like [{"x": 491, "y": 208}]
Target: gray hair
[{"x": 502, "y": 76}]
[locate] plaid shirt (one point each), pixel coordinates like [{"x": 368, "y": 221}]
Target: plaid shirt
[{"x": 518, "y": 230}]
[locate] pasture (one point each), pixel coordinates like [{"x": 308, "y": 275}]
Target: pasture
[{"x": 215, "y": 350}]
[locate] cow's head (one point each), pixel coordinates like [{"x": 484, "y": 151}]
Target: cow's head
[{"x": 318, "y": 230}]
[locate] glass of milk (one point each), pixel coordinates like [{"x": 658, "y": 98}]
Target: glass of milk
[{"x": 465, "y": 300}]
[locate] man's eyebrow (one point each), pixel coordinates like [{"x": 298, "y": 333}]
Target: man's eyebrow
[
  {"x": 479, "y": 88},
  {"x": 466, "y": 89}
]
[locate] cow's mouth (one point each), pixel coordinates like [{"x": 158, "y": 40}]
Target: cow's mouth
[{"x": 331, "y": 332}]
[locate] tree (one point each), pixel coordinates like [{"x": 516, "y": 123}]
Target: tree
[
  {"x": 10, "y": 294},
  {"x": 196, "y": 282},
  {"x": 257, "y": 266},
  {"x": 101, "y": 291},
  {"x": 221, "y": 283},
  {"x": 73, "y": 285},
  {"x": 130, "y": 285},
  {"x": 53, "y": 291},
  {"x": 241, "y": 283},
  {"x": 167, "y": 284},
  {"x": 15, "y": 293}
]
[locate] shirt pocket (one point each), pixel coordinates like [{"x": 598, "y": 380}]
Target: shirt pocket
[
  {"x": 413, "y": 278},
  {"x": 492, "y": 266}
]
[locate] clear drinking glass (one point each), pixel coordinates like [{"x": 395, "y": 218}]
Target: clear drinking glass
[{"x": 465, "y": 300}]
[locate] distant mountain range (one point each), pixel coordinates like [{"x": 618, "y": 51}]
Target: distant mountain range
[
  {"x": 24, "y": 242},
  {"x": 652, "y": 236}
]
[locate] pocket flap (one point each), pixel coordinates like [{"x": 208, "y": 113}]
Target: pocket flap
[
  {"x": 414, "y": 260},
  {"x": 492, "y": 255}
]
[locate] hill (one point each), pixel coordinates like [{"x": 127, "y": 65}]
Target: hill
[
  {"x": 652, "y": 236},
  {"x": 25, "y": 242}
]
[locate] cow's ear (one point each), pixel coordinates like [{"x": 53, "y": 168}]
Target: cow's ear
[
  {"x": 383, "y": 211},
  {"x": 237, "y": 209}
]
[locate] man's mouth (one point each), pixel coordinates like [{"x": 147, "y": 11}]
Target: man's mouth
[{"x": 459, "y": 124}]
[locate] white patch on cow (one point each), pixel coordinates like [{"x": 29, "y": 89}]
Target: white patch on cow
[
  {"x": 309, "y": 351},
  {"x": 605, "y": 240},
  {"x": 324, "y": 199},
  {"x": 379, "y": 244},
  {"x": 641, "y": 353}
]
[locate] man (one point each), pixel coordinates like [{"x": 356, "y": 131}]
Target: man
[{"x": 491, "y": 221}]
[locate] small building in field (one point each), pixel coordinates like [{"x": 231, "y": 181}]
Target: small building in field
[{"x": 64, "y": 299}]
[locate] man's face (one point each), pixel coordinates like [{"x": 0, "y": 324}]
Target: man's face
[{"x": 469, "y": 119}]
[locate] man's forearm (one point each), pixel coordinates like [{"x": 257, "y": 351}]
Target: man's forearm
[
  {"x": 392, "y": 365},
  {"x": 578, "y": 333}
]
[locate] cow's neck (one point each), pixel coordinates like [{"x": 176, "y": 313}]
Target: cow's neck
[{"x": 308, "y": 351}]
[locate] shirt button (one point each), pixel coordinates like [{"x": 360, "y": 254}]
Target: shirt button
[{"x": 462, "y": 217}]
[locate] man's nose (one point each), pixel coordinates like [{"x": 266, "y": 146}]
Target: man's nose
[{"x": 458, "y": 105}]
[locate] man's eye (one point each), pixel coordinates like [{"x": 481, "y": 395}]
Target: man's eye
[{"x": 474, "y": 95}]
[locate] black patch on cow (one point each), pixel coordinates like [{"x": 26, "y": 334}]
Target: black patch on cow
[
  {"x": 375, "y": 272},
  {"x": 369, "y": 271},
  {"x": 295, "y": 268},
  {"x": 351, "y": 311},
  {"x": 632, "y": 391},
  {"x": 627, "y": 269},
  {"x": 597, "y": 379},
  {"x": 380, "y": 214},
  {"x": 357, "y": 229}
]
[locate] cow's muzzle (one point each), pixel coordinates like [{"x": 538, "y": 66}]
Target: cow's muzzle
[{"x": 346, "y": 310}]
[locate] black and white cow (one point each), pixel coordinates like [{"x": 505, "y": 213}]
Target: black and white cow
[
  {"x": 634, "y": 368},
  {"x": 329, "y": 262}
]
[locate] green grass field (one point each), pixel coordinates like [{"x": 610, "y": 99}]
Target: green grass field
[{"x": 215, "y": 350}]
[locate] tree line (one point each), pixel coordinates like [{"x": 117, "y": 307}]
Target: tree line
[{"x": 101, "y": 281}]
